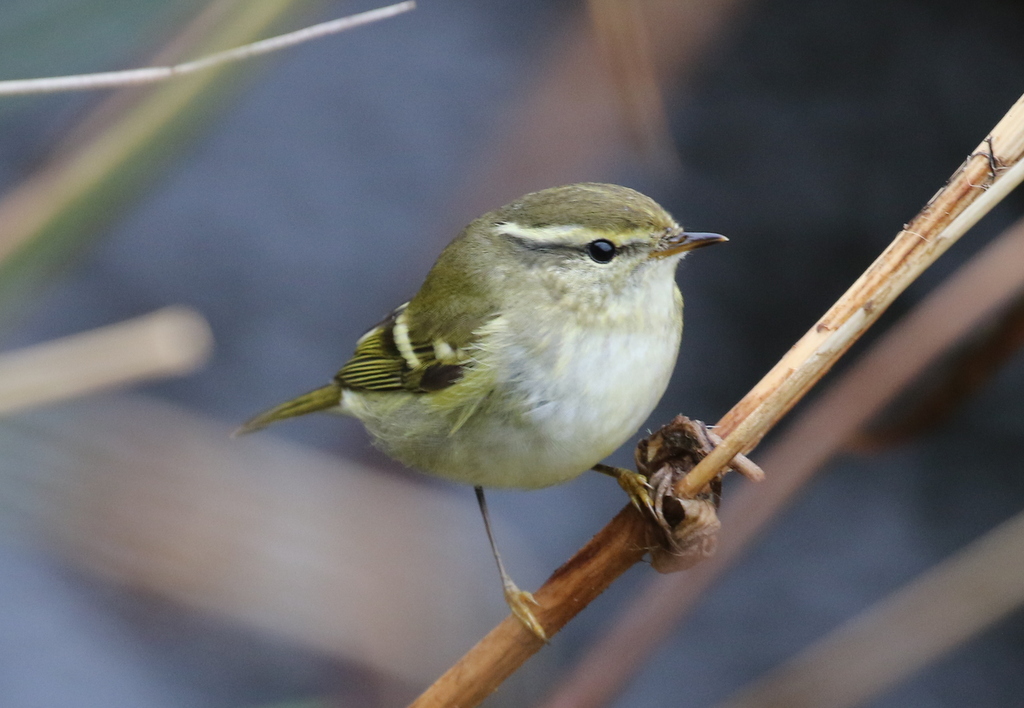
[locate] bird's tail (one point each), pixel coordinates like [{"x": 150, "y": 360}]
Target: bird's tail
[{"x": 321, "y": 399}]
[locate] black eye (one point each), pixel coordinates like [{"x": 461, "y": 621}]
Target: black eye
[{"x": 602, "y": 250}]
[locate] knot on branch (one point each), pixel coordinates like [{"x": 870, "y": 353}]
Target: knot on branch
[{"x": 690, "y": 525}]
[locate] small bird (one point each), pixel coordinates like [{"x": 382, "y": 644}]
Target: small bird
[{"x": 540, "y": 341}]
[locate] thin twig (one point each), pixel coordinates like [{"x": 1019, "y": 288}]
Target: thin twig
[
  {"x": 169, "y": 342},
  {"x": 619, "y": 544},
  {"x": 148, "y": 75}
]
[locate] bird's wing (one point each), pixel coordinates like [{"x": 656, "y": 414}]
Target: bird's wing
[{"x": 394, "y": 356}]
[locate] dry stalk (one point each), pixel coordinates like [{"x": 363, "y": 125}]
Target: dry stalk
[
  {"x": 621, "y": 33},
  {"x": 169, "y": 342},
  {"x": 987, "y": 176}
]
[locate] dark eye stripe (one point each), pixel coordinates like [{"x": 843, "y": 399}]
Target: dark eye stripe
[{"x": 572, "y": 250}]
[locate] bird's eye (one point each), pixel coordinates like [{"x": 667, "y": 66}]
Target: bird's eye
[{"x": 602, "y": 250}]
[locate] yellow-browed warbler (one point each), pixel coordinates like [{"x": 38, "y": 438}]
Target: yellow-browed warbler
[{"x": 540, "y": 341}]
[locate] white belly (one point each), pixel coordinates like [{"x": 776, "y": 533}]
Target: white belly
[{"x": 595, "y": 404}]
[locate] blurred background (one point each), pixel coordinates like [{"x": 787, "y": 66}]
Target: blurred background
[{"x": 148, "y": 560}]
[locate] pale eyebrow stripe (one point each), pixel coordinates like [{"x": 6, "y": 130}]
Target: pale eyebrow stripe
[{"x": 547, "y": 234}]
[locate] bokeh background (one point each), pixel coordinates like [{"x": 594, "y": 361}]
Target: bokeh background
[{"x": 146, "y": 560}]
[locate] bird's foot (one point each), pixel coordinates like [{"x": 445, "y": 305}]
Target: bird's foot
[
  {"x": 520, "y": 602},
  {"x": 635, "y": 485}
]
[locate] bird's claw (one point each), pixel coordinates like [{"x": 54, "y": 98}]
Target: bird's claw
[
  {"x": 638, "y": 489},
  {"x": 635, "y": 485},
  {"x": 519, "y": 601}
]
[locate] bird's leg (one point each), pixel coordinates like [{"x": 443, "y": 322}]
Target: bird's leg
[
  {"x": 519, "y": 601},
  {"x": 635, "y": 484}
]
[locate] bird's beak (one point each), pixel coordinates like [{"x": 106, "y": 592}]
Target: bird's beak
[{"x": 680, "y": 241}]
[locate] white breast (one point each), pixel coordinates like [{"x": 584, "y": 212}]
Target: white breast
[{"x": 582, "y": 391}]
